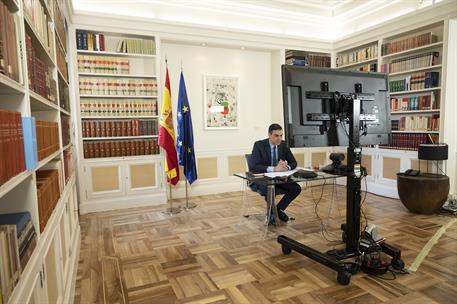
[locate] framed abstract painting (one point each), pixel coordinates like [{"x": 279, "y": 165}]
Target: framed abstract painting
[{"x": 221, "y": 98}]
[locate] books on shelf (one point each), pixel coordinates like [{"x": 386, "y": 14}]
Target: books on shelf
[
  {"x": 17, "y": 242},
  {"x": 120, "y": 148},
  {"x": 61, "y": 61},
  {"x": 415, "y": 103},
  {"x": 358, "y": 55},
  {"x": 48, "y": 191},
  {"x": 110, "y": 86},
  {"x": 409, "y": 141},
  {"x": 103, "y": 64},
  {"x": 12, "y": 155},
  {"x": 302, "y": 58},
  {"x": 427, "y": 59},
  {"x": 65, "y": 129},
  {"x": 118, "y": 107},
  {"x": 415, "y": 81},
  {"x": 114, "y": 128},
  {"x": 417, "y": 123},
  {"x": 41, "y": 23},
  {"x": 59, "y": 22},
  {"x": 9, "y": 59},
  {"x": 370, "y": 67},
  {"x": 47, "y": 138},
  {"x": 404, "y": 44},
  {"x": 30, "y": 142},
  {"x": 69, "y": 164},
  {"x": 64, "y": 96},
  {"x": 86, "y": 40},
  {"x": 40, "y": 75}
]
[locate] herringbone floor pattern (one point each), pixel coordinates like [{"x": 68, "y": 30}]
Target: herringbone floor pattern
[{"x": 204, "y": 256}]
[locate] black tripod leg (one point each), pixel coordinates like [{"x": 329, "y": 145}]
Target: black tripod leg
[
  {"x": 288, "y": 244},
  {"x": 395, "y": 253}
]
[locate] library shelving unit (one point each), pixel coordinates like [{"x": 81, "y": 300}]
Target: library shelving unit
[
  {"x": 120, "y": 165},
  {"x": 359, "y": 58},
  {"x": 413, "y": 61},
  {"x": 308, "y": 58},
  {"x": 37, "y": 177}
]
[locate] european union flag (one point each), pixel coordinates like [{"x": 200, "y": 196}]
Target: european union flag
[{"x": 185, "y": 140}]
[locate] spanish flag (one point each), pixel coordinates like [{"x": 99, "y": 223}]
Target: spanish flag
[{"x": 167, "y": 135}]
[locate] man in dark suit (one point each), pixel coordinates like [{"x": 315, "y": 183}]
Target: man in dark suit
[{"x": 273, "y": 155}]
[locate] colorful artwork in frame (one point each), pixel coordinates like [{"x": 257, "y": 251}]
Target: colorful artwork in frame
[{"x": 221, "y": 102}]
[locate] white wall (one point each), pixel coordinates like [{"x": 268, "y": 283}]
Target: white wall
[
  {"x": 253, "y": 70},
  {"x": 450, "y": 106}
]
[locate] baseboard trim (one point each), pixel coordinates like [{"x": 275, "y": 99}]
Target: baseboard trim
[{"x": 132, "y": 201}]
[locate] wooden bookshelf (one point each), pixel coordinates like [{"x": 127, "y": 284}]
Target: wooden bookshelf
[
  {"x": 116, "y": 54},
  {"x": 415, "y": 112},
  {"x": 357, "y": 63},
  {"x": 428, "y": 68},
  {"x": 20, "y": 193},
  {"x": 117, "y": 75},
  {"x": 426, "y": 132},
  {"x": 120, "y": 117},
  {"x": 121, "y": 137},
  {"x": 358, "y": 55},
  {"x": 414, "y": 50}
]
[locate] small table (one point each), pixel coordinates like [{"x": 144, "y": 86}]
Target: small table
[{"x": 270, "y": 183}]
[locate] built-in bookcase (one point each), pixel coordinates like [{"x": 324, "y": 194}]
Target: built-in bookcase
[
  {"x": 37, "y": 161},
  {"x": 118, "y": 93},
  {"x": 413, "y": 61}
]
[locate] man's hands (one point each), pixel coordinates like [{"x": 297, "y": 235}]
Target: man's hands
[{"x": 281, "y": 166}]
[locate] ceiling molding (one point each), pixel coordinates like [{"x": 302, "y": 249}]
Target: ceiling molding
[{"x": 321, "y": 21}]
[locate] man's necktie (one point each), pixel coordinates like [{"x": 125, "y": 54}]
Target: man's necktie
[{"x": 274, "y": 161}]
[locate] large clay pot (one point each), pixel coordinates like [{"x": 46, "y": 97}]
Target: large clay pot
[{"x": 425, "y": 193}]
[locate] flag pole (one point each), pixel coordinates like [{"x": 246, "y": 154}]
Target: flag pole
[
  {"x": 188, "y": 205},
  {"x": 170, "y": 210}
]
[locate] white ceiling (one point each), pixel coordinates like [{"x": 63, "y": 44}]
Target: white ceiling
[{"x": 326, "y": 20}]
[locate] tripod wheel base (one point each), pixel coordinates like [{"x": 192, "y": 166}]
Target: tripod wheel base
[
  {"x": 343, "y": 277},
  {"x": 286, "y": 250},
  {"x": 397, "y": 264}
]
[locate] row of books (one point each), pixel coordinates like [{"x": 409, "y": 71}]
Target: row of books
[
  {"x": 64, "y": 96},
  {"x": 118, "y": 107},
  {"x": 408, "y": 43},
  {"x": 302, "y": 58},
  {"x": 65, "y": 129},
  {"x": 358, "y": 55},
  {"x": 414, "y": 103},
  {"x": 61, "y": 61},
  {"x": 411, "y": 62},
  {"x": 410, "y": 141},
  {"x": 370, "y": 67},
  {"x": 110, "y": 86},
  {"x": 417, "y": 123},
  {"x": 40, "y": 75},
  {"x": 17, "y": 243},
  {"x": 9, "y": 64},
  {"x": 90, "y": 41},
  {"x": 48, "y": 191},
  {"x": 120, "y": 148},
  {"x": 59, "y": 22},
  {"x": 113, "y": 128},
  {"x": 47, "y": 138},
  {"x": 12, "y": 159},
  {"x": 41, "y": 23},
  {"x": 416, "y": 81},
  {"x": 69, "y": 163},
  {"x": 86, "y": 40},
  {"x": 103, "y": 64},
  {"x": 137, "y": 46}
]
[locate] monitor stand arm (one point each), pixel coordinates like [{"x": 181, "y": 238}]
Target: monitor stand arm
[{"x": 351, "y": 230}]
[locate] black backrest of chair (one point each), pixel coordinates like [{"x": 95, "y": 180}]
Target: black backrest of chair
[{"x": 248, "y": 160}]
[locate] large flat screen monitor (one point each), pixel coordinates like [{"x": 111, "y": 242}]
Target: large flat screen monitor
[{"x": 303, "y": 131}]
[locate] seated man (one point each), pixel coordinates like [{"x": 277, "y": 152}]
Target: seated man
[{"x": 272, "y": 155}]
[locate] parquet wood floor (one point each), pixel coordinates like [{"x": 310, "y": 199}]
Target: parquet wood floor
[{"x": 204, "y": 255}]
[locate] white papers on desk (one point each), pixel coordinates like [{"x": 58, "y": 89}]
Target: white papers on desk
[{"x": 280, "y": 174}]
